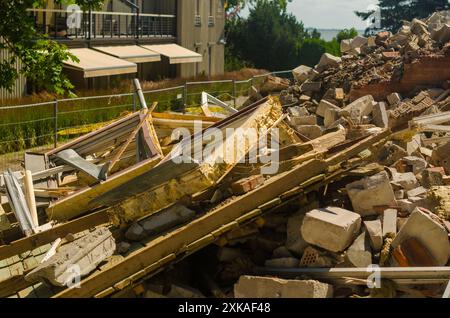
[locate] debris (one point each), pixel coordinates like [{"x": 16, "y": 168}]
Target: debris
[
  {"x": 332, "y": 228},
  {"x": 432, "y": 235},
  {"x": 389, "y": 222},
  {"x": 267, "y": 287},
  {"x": 76, "y": 259},
  {"x": 359, "y": 254},
  {"x": 370, "y": 192},
  {"x": 375, "y": 232}
]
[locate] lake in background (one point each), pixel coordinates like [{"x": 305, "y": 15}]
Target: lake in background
[{"x": 328, "y": 35}]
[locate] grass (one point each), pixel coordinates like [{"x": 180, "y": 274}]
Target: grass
[{"x": 29, "y": 127}]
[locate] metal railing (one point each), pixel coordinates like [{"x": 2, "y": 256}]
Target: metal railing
[
  {"x": 35, "y": 127},
  {"x": 102, "y": 24}
]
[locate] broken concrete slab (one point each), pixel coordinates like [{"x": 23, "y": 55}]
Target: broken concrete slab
[
  {"x": 359, "y": 254},
  {"x": 332, "y": 228},
  {"x": 375, "y": 231},
  {"x": 359, "y": 108},
  {"x": 380, "y": 116},
  {"x": 323, "y": 106},
  {"x": 294, "y": 240},
  {"x": 416, "y": 164},
  {"x": 407, "y": 181},
  {"x": 394, "y": 99},
  {"x": 345, "y": 46},
  {"x": 417, "y": 192},
  {"x": 76, "y": 259},
  {"x": 389, "y": 222},
  {"x": 428, "y": 232},
  {"x": 267, "y": 287},
  {"x": 369, "y": 192}
]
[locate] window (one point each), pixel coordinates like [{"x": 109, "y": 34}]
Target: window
[
  {"x": 197, "y": 18},
  {"x": 211, "y": 13}
]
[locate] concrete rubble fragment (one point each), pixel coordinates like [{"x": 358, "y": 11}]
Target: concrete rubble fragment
[
  {"x": 267, "y": 287},
  {"x": 370, "y": 192},
  {"x": 332, "y": 228}
]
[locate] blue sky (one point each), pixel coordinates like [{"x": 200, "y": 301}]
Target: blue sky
[{"x": 330, "y": 14}]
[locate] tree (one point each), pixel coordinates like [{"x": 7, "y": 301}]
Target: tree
[
  {"x": 41, "y": 58},
  {"x": 394, "y": 11},
  {"x": 269, "y": 38},
  {"x": 346, "y": 34},
  {"x": 234, "y": 7}
]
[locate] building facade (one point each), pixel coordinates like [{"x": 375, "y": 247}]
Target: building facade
[{"x": 148, "y": 39}]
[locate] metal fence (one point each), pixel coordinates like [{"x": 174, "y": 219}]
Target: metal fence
[{"x": 41, "y": 126}]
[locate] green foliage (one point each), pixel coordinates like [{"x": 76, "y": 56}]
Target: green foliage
[
  {"x": 394, "y": 11},
  {"x": 41, "y": 58},
  {"x": 346, "y": 34},
  {"x": 273, "y": 39}
]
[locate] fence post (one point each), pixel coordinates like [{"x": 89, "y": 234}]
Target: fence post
[
  {"x": 55, "y": 127},
  {"x": 185, "y": 97},
  {"x": 234, "y": 93}
]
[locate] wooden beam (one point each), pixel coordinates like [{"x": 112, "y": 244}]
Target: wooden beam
[{"x": 39, "y": 239}]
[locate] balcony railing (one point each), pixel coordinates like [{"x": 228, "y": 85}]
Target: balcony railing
[{"x": 61, "y": 24}]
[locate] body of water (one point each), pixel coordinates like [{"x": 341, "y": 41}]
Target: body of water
[{"x": 328, "y": 35}]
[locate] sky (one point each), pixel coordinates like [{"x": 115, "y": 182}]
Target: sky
[{"x": 330, "y": 14}]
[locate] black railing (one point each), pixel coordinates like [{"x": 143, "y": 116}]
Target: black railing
[{"x": 97, "y": 25}]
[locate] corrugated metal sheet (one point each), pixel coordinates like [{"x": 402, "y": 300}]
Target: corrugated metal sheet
[{"x": 19, "y": 88}]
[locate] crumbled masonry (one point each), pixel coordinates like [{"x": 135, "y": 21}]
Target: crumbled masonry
[{"x": 363, "y": 182}]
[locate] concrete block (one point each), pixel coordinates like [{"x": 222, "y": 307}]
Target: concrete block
[
  {"x": 332, "y": 228},
  {"x": 399, "y": 194},
  {"x": 394, "y": 99},
  {"x": 294, "y": 241},
  {"x": 75, "y": 259},
  {"x": 407, "y": 181},
  {"x": 389, "y": 222},
  {"x": 285, "y": 262},
  {"x": 326, "y": 61},
  {"x": 310, "y": 131},
  {"x": 359, "y": 108},
  {"x": 323, "y": 106},
  {"x": 417, "y": 192},
  {"x": 267, "y": 287},
  {"x": 380, "y": 116},
  {"x": 429, "y": 232},
  {"x": 166, "y": 219},
  {"x": 359, "y": 254},
  {"x": 433, "y": 177},
  {"x": 369, "y": 192},
  {"x": 440, "y": 157},
  {"x": 331, "y": 116},
  {"x": 375, "y": 232},
  {"x": 302, "y": 73}
]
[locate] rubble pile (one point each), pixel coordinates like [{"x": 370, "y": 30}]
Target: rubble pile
[{"x": 357, "y": 207}]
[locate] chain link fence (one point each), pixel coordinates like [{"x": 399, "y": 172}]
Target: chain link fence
[{"x": 42, "y": 126}]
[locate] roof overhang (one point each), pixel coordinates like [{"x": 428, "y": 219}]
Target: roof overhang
[
  {"x": 95, "y": 64},
  {"x": 176, "y": 54},
  {"x": 130, "y": 53}
]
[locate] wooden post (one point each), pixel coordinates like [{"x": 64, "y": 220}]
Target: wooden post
[
  {"x": 140, "y": 94},
  {"x": 29, "y": 195}
]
